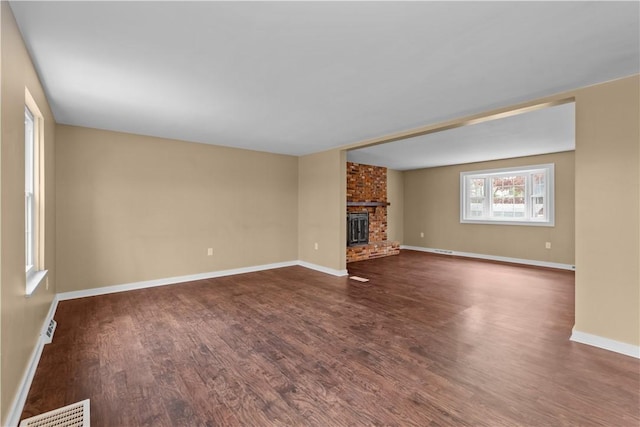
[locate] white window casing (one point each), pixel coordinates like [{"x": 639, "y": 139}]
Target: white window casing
[{"x": 509, "y": 196}]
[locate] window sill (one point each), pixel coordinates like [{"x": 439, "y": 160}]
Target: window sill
[
  {"x": 494, "y": 222},
  {"x": 34, "y": 280}
]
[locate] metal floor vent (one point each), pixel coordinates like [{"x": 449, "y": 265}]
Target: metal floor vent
[
  {"x": 48, "y": 334},
  {"x": 75, "y": 415}
]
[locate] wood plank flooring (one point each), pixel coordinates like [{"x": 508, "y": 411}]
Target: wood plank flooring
[{"x": 429, "y": 341}]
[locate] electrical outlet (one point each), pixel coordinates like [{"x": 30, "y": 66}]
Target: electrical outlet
[
  {"x": 421, "y": 234},
  {"x": 547, "y": 245},
  {"x": 209, "y": 251},
  {"x": 315, "y": 246}
]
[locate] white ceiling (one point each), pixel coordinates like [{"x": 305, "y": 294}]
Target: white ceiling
[
  {"x": 548, "y": 130},
  {"x": 300, "y": 77}
]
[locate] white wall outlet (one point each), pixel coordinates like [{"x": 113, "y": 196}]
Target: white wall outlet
[
  {"x": 315, "y": 246},
  {"x": 422, "y": 234},
  {"x": 547, "y": 245},
  {"x": 209, "y": 251}
]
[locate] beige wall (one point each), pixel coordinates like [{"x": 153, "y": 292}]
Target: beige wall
[
  {"x": 607, "y": 210},
  {"x": 322, "y": 209},
  {"x": 21, "y": 317},
  {"x": 395, "y": 196},
  {"x": 134, "y": 208},
  {"x": 432, "y": 206}
]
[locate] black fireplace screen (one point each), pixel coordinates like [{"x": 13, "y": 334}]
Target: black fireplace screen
[{"x": 357, "y": 228}]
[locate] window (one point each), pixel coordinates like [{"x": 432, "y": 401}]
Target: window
[
  {"x": 515, "y": 196},
  {"x": 33, "y": 195},
  {"x": 29, "y": 190}
]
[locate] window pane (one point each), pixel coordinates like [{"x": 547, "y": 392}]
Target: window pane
[
  {"x": 538, "y": 186},
  {"x": 29, "y": 208},
  {"x": 476, "y": 197},
  {"x": 538, "y": 190},
  {"x": 508, "y": 196},
  {"x": 28, "y": 151},
  {"x": 29, "y": 229},
  {"x": 537, "y": 207}
]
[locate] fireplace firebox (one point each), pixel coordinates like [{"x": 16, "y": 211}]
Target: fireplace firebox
[{"x": 357, "y": 228}]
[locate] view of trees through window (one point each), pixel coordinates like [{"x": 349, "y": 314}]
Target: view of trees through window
[
  {"x": 476, "y": 197},
  {"x": 508, "y": 196}
]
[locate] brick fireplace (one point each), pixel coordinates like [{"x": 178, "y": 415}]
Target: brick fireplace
[{"x": 367, "y": 194}]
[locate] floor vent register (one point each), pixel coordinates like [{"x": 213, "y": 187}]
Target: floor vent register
[{"x": 75, "y": 415}]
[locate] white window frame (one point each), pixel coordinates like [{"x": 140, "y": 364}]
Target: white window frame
[
  {"x": 34, "y": 196},
  {"x": 487, "y": 175}
]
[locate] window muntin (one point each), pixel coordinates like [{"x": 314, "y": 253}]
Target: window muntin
[{"x": 516, "y": 196}]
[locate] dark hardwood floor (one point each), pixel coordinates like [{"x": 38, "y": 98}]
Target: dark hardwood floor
[{"x": 429, "y": 341}]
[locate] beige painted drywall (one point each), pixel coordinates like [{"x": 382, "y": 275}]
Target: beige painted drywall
[
  {"x": 22, "y": 317},
  {"x": 134, "y": 208},
  {"x": 395, "y": 196},
  {"x": 322, "y": 209},
  {"x": 607, "y": 210},
  {"x": 432, "y": 207}
]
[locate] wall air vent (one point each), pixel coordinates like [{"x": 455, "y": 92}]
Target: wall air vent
[
  {"x": 443, "y": 251},
  {"x": 48, "y": 334},
  {"x": 75, "y": 415}
]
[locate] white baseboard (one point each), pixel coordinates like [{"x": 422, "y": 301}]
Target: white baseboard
[
  {"x": 493, "y": 257},
  {"x": 191, "y": 277},
  {"x": 169, "y": 281},
  {"x": 605, "y": 343},
  {"x": 19, "y": 400},
  {"x": 323, "y": 269}
]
